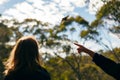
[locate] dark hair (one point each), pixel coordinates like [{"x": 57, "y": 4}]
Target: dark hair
[{"x": 25, "y": 53}]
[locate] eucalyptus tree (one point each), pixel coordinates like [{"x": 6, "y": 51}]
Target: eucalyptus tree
[
  {"x": 5, "y": 35},
  {"x": 108, "y": 19}
]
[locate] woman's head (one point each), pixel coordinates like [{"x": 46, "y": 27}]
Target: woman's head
[{"x": 24, "y": 54}]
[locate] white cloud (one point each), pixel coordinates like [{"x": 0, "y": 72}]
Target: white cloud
[
  {"x": 80, "y": 3},
  {"x": 47, "y": 11},
  {"x": 24, "y": 8},
  {"x": 94, "y": 6},
  {"x": 16, "y": 14},
  {"x": 3, "y": 1}
]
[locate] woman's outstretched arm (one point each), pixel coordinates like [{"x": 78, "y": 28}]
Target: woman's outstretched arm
[{"x": 107, "y": 65}]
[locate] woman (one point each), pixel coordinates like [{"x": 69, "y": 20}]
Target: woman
[
  {"x": 24, "y": 62},
  {"x": 104, "y": 63}
]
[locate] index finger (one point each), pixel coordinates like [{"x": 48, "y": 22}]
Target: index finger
[{"x": 77, "y": 44}]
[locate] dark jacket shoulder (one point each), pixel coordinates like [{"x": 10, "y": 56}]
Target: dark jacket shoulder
[{"x": 24, "y": 74}]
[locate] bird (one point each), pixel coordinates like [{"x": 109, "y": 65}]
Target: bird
[{"x": 64, "y": 19}]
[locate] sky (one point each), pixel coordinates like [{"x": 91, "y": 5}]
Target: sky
[
  {"x": 51, "y": 11},
  {"x": 48, "y": 10}
]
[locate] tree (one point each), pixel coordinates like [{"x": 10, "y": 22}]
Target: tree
[
  {"x": 5, "y": 35},
  {"x": 59, "y": 69},
  {"x": 110, "y": 11}
]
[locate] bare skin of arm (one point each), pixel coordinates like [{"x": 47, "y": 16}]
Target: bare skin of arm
[{"x": 84, "y": 49}]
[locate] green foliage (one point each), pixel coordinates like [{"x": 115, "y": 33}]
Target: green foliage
[
  {"x": 108, "y": 17},
  {"x": 62, "y": 27},
  {"x": 77, "y": 19},
  {"x": 92, "y": 70},
  {"x": 110, "y": 10},
  {"x": 50, "y": 42},
  {"x": 84, "y": 33},
  {"x": 5, "y": 33},
  {"x": 5, "y": 36},
  {"x": 96, "y": 22},
  {"x": 80, "y": 20},
  {"x": 115, "y": 29},
  {"x": 72, "y": 29},
  {"x": 111, "y": 55},
  {"x": 60, "y": 70},
  {"x": 66, "y": 48}
]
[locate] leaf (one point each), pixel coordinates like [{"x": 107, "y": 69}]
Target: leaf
[{"x": 84, "y": 33}]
